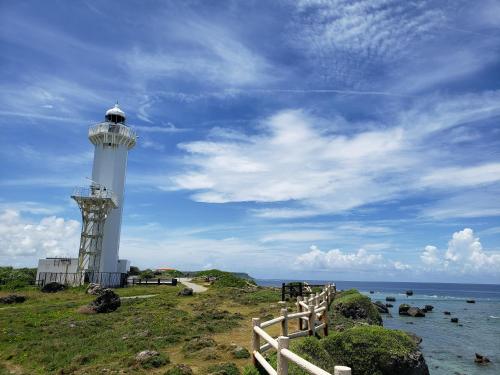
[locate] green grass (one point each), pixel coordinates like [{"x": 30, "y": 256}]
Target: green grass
[
  {"x": 46, "y": 334},
  {"x": 225, "y": 279}
]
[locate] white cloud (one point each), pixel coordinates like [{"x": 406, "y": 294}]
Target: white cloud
[
  {"x": 50, "y": 236},
  {"x": 205, "y": 52},
  {"x": 298, "y": 158},
  {"x": 430, "y": 256},
  {"x": 465, "y": 254},
  {"x": 466, "y": 204},
  {"x": 463, "y": 176},
  {"x": 298, "y": 236},
  {"x": 400, "y": 266},
  {"x": 335, "y": 259}
]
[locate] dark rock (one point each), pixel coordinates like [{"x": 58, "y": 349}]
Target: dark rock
[
  {"x": 403, "y": 309},
  {"x": 429, "y": 307},
  {"x": 389, "y": 305},
  {"x": 415, "y": 312},
  {"x": 414, "y": 364},
  {"x": 471, "y": 301},
  {"x": 447, "y": 313},
  {"x": 371, "y": 292},
  {"x": 94, "y": 289},
  {"x": 106, "y": 302},
  {"x": 53, "y": 287},
  {"x": 481, "y": 359},
  {"x": 409, "y": 292},
  {"x": 390, "y": 299},
  {"x": 185, "y": 292},
  {"x": 381, "y": 307},
  {"x": 454, "y": 320},
  {"x": 12, "y": 298}
]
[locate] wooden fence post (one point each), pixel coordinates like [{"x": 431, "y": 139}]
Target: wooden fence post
[
  {"x": 299, "y": 309},
  {"x": 316, "y": 299},
  {"x": 284, "y": 323},
  {"x": 325, "y": 320},
  {"x": 341, "y": 370},
  {"x": 312, "y": 318},
  {"x": 282, "y": 361},
  {"x": 255, "y": 341}
]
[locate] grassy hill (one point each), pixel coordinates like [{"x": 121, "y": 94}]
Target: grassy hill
[{"x": 47, "y": 334}]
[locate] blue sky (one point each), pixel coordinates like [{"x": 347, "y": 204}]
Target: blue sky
[{"x": 288, "y": 139}]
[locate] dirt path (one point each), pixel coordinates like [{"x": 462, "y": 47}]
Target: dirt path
[{"x": 196, "y": 288}]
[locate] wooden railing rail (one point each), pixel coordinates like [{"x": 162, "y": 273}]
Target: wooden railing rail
[{"x": 312, "y": 315}]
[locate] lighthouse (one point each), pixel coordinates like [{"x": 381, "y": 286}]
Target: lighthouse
[
  {"x": 101, "y": 206},
  {"x": 112, "y": 140}
]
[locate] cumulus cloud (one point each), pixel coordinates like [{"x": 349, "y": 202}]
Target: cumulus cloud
[
  {"x": 430, "y": 256},
  {"x": 316, "y": 259},
  {"x": 50, "y": 236},
  {"x": 464, "y": 254}
]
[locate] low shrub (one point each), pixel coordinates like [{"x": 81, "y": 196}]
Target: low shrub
[
  {"x": 227, "y": 368},
  {"x": 356, "y": 308},
  {"x": 179, "y": 369}
]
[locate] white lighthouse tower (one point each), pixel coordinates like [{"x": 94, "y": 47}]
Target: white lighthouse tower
[
  {"x": 112, "y": 140},
  {"x": 101, "y": 205}
]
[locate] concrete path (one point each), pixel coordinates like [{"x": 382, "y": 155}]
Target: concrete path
[{"x": 196, "y": 288}]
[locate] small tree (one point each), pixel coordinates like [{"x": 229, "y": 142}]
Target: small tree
[
  {"x": 147, "y": 274},
  {"x": 134, "y": 271}
]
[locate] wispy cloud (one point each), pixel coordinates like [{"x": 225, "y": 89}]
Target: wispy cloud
[
  {"x": 293, "y": 159},
  {"x": 209, "y": 53}
]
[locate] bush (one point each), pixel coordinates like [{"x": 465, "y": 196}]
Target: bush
[
  {"x": 225, "y": 279},
  {"x": 154, "y": 361},
  {"x": 179, "y": 370},
  {"x": 250, "y": 370},
  {"x": 198, "y": 343},
  {"x": 369, "y": 349},
  {"x": 147, "y": 274},
  {"x": 227, "y": 368},
  {"x": 356, "y": 308},
  {"x": 134, "y": 271},
  {"x": 16, "y": 278}
]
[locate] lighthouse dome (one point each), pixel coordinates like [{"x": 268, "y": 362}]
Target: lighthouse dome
[{"x": 115, "y": 115}]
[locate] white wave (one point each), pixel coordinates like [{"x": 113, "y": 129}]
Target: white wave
[{"x": 494, "y": 317}]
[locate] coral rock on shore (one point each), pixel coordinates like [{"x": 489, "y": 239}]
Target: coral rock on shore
[{"x": 415, "y": 312}]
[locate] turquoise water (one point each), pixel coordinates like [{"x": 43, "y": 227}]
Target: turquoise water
[{"x": 448, "y": 347}]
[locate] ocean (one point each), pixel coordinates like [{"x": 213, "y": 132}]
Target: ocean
[{"x": 449, "y": 348}]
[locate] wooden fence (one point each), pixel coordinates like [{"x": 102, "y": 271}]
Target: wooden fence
[{"x": 312, "y": 313}]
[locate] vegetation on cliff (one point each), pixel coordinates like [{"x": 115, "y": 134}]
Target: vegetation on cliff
[
  {"x": 350, "y": 308},
  {"x": 225, "y": 279},
  {"x": 359, "y": 341}
]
